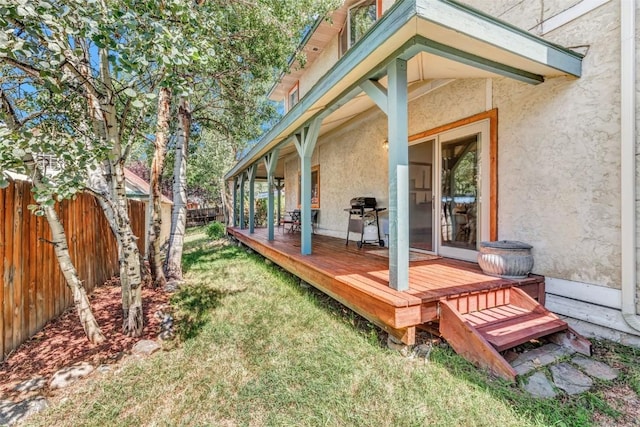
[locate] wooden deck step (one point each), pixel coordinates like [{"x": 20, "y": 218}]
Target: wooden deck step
[
  {"x": 508, "y": 326},
  {"x": 480, "y": 325}
]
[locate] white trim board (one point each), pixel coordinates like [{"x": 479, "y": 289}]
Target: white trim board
[
  {"x": 568, "y": 15},
  {"x": 596, "y": 314},
  {"x": 584, "y": 292}
]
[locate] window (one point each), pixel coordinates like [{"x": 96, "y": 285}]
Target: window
[
  {"x": 360, "y": 18},
  {"x": 294, "y": 96},
  {"x": 315, "y": 187}
]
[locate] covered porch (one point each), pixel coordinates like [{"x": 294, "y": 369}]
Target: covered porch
[
  {"x": 417, "y": 47},
  {"x": 359, "y": 279}
]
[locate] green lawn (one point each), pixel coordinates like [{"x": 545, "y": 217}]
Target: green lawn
[{"x": 262, "y": 350}]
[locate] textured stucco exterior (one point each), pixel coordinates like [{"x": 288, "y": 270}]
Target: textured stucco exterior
[
  {"x": 637, "y": 101},
  {"x": 559, "y": 159},
  {"x": 320, "y": 66},
  {"x": 353, "y": 162},
  {"x": 558, "y": 149}
]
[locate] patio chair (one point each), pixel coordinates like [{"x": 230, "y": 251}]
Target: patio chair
[{"x": 292, "y": 219}]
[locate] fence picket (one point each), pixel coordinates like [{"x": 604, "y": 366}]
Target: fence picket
[{"x": 33, "y": 289}]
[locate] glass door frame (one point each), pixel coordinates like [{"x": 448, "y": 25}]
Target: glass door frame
[
  {"x": 434, "y": 230},
  {"x": 481, "y": 128}
]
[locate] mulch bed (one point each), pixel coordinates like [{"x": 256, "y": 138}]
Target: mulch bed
[{"x": 62, "y": 342}]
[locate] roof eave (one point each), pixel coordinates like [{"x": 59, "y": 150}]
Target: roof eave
[{"x": 397, "y": 30}]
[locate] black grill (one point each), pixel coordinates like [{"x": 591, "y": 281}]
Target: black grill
[
  {"x": 364, "y": 210},
  {"x": 363, "y": 203}
]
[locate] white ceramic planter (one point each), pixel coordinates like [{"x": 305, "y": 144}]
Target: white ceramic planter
[{"x": 508, "y": 259}]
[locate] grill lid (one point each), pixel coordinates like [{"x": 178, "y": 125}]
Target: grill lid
[{"x": 363, "y": 202}]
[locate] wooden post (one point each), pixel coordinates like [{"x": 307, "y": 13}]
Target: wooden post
[
  {"x": 235, "y": 202},
  {"x": 251, "y": 174},
  {"x": 398, "y": 175},
  {"x": 241, "y": 207},
  {"x": 305, "y": 142},
  {"x": 279, "y": 187},
  {"x": 393, "y": 102},
  {"x": 270, "y": 162}
]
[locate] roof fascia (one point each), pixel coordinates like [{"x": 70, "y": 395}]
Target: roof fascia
[
  {"x": 299, "y": 48},
  {"x": 503, "y": 34},
  {"x": 444, "y": 13},
  {"x": 399, "y": 15}
]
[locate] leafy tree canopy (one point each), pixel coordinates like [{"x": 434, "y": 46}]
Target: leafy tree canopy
[{"x": 54, "y": 54}]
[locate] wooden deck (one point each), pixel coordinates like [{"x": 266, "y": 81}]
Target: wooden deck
[{"x": 359, "y": 279}]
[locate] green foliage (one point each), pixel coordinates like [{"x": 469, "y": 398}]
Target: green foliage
[
  {"x": 268, "y": 352},
  {"x": 216, "y": 230},
  {"x": 57, "y": 57}
]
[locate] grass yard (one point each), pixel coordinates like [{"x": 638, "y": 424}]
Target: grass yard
[{"x": 262, "y": 350}]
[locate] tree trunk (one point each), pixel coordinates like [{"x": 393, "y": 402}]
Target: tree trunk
[
  {"x": 179, "y": 210},
  {"x": 155, "y": 181},
  {"x": 80, "y": 299},
  {"x": 130, "y": 268},
  {"x": 61, "y": 249},
  {"x": 107, "y": 181}
]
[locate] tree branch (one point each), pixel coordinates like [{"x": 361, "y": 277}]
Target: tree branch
[
  {"x": 12, "y": 119},
  {"x": 28, "y": 69}
]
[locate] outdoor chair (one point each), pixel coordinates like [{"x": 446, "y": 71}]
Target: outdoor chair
[{"x": 293, "y": 220}]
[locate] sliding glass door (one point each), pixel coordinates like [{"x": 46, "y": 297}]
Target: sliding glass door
[
  {"x": 449, "y": 191},
  {"x": 421, "y": 195}
]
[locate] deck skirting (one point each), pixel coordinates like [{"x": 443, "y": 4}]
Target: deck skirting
[{"x": 360, "y": 280}]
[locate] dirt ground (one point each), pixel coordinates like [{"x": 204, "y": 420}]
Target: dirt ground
[{"x": 62, "y": 342}]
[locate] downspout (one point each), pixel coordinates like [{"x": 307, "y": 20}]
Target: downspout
[{"x": 628, "y": 161}]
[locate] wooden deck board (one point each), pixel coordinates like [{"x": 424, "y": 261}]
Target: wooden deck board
[{"x": 361, "y": 280}]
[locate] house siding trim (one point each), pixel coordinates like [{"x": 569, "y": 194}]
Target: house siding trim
[
  {"x": 502, "y": 34},
  {"x": 381, "y": 37},
  {"x": 492, "y": 116}
]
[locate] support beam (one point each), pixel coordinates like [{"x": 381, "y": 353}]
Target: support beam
[
  {"x": 251, "y": 174},
  {"x": 234, "y": 214},
  {"x": 270, "y": 162},
  {"x": 241, "y": 204},
  {"x": 305, "y": 141},
  {"x": 398, "y": 176},
  {"x": 377, "y": 93}
]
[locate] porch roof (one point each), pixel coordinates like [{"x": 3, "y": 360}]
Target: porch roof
[{"x": 442, "y": 39}]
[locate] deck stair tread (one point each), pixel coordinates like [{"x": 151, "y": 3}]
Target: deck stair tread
[
  {"x": 508, "y": 326},
  {"x": 479, "y": 325}
]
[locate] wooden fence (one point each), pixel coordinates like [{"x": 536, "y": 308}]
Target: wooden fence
[
  {"x": 33, "y": 289},
  {"x": 204, "y": 216}
]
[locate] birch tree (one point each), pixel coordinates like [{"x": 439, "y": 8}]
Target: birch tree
[
  {"x": 93, "y": 53},
  {"x": 21, "y": 159},
  {"x": 233, "y": 60}
]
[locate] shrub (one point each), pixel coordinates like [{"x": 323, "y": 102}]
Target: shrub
[{"x": 216, "y": 230}]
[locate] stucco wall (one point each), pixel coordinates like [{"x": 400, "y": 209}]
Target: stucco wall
[
  {"x": 457, "y": 100},
  {"x": 559, "y": 155},
  {"x": 320, "y": 66},
  {"x": 353, "y": 163},
  {"x": 638, "y": 145},
  {"x": 525, "y": 14},
  {"x": 561, "y": 139}
]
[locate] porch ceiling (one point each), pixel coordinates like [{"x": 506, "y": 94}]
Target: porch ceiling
[{"x": 441, "y": 40}]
